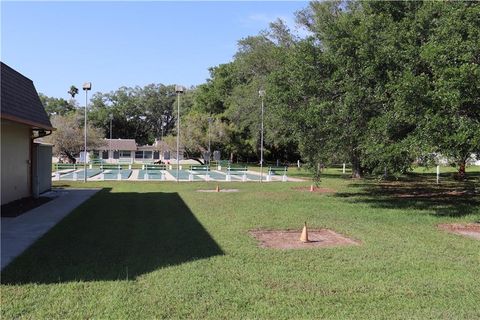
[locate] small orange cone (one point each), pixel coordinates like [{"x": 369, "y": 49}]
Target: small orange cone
[
  {"x": 217, "y": 189},
  {"x": 304, "y": 236},
  {"x": 311, "y": 188}
]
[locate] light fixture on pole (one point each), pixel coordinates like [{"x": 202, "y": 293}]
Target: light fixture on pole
[
  {"x": 86, "y": 87},
  {"x": 261, "y": 93},
  {"x": 178, "y": 90},
  {"x": 110, "y": 142}
]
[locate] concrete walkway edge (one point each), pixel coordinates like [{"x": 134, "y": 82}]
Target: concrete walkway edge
[{"x": 19, "y": 233}]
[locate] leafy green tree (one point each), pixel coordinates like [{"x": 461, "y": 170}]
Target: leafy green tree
[
  {"x": 56, "y": 106},
  {"x": 232, "y": 94},
  {"x": 197, "y": 131},
  {"x": 452, "y": 55},
  {"x": 138, "y": 113},
  {"x": 68, "y": 139},
  {"x": 336, "y": 122},
  {"x": 400, "y": 80}
]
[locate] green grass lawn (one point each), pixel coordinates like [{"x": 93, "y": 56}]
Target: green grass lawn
[{"x": 162, "y": 250}]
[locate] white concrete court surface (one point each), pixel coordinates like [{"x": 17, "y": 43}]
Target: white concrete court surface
[{"x": 170, "y": 175}]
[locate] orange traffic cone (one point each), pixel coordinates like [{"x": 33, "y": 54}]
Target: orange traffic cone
[
  {"x": 311, "y": 188},
  {"x": 304, "y": 236},
  {"x": 217, "y": 189}
]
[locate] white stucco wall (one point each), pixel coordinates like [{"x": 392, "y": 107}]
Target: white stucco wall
[{"x": 15, "y": 157}]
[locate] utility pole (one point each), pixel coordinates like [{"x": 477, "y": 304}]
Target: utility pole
[
  {"x": 209, "y": 140},
  {"x": 86, "y": 87},
  {"x": 261, "y": 93},
  {"x": 178, "y": 91},
  {"x": 110, "y": 142}
]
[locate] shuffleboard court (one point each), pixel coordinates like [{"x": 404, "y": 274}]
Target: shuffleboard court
[
  {"x": 62, "y": 172},
  {"x": 152, "y": 174},
  {"x": 254, "y": 177},
  {"x": 183, "y": 175},
  {"x": 215, "y": 175},
  {"x": 80, "y": 174},
  {"x": 238, "y": 176},
  {"x": 113, "y": 174},
  {"x": 110, "y": 172}
]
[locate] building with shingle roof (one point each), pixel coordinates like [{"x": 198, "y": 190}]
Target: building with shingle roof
[
  {"x": 26, "y": 166},
  {"x": 20, "y": 101},
  {"x": 117, "y": 150},
  {"x": 119, "y": 144},
  {"x": 127, "y": 151}
]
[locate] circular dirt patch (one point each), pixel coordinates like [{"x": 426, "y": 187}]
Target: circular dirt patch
[
  {"x": 315, "y": 189},
  {"x": 470, "y": 229},
  {"x": 221, "y": 190},
  {"x": 290, "y": 239}
]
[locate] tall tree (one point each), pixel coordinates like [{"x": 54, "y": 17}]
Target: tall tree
[
  {"x": 68, "y": 140},
  {"x": 452, "y": 55},
  {"x": 73, "y": 91},
  {"x": 197, "y": 131},
  {"x": 56, "y": 106},
  {"x": 138, "y": 113}
]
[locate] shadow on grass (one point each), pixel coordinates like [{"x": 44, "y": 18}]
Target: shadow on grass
[
  {"x": 115, "y": 236},
  {"x": 419, "y": 192}
]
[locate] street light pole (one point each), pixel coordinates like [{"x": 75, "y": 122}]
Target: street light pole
[
  {"x": 110, "y": 142},
  {"x": 86, "y": 87},
  {"x": 161, "y": 141},
  {"x": 178, "y": 91},
  {"x": 209, "y": 140},
  {"x": 261, "y": 93}
]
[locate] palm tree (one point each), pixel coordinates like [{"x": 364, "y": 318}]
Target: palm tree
[{"x": 73, "y": 91}]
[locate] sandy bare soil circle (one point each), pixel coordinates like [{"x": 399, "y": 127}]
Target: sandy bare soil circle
[
  {"x": 469, "y": 229},
  {"x": 290, "y": 239},
  {"x": 315, "y": 189}
]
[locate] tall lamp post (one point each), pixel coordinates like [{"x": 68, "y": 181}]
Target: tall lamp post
[
  {"x": 161, "y": 139},
  {"x": 178, "y": 91},
  {"x": 209, "y": 141},
  {"x": 86, "y": 87},
  {"x": 261, "y": 93},
  {"x": 110, "y": 142}
]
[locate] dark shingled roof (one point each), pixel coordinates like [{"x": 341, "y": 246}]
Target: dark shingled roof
[{"x": 19, "y": 100}]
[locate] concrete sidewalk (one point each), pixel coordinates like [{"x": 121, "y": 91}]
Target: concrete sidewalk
[{"x": 20, "y": 232}]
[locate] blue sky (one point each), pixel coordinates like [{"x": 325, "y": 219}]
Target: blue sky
[{"x": 114, "y": 44}]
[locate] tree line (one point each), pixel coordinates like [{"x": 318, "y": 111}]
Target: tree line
[{"x": 378, "y": 84}]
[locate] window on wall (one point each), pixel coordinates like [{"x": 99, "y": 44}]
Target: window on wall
[
  {"x": 156, "y": 155},
  {"x": 125, "y": 154},
  {"x": 105, "y": 155},
  {"x": 147, "y": 154},
  {"x": 116, "y": 155},
  {"x": 139, "y": 154}
]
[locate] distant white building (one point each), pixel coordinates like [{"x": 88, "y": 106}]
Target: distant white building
[
  {"x": 116, "y": 151},
  {"x": 127, "y": 151}
]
